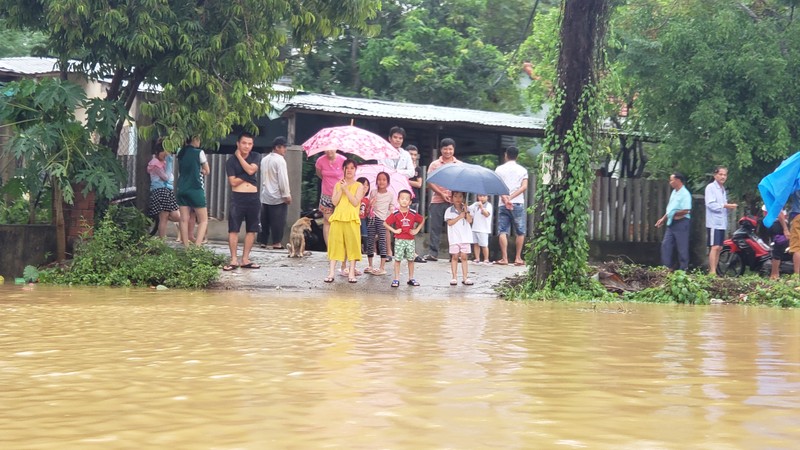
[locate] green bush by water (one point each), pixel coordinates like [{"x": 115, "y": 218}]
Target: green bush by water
[
  {"x": 679, "y": 287},
  {"x": 121, "y": 253}
]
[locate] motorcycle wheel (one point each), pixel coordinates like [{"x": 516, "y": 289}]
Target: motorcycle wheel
[{"x": 730, "y": 264}]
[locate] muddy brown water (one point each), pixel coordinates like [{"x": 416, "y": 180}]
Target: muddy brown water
[{"x": 127, "y": 368}]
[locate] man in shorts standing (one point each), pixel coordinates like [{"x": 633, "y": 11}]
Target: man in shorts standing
[
  {"x": 512, "y": 208},
  {"x": 717, "y": 207},
  {"x": 242, "y": 169}
]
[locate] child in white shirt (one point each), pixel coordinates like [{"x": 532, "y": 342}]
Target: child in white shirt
[
  {"x": 481, "y": 212},
  {"x": 459, "y": 237}
]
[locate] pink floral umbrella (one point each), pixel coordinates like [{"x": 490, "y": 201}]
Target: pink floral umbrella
[
  {"x": 350, "y": 139},
  {"x": 397, "y": 181}
]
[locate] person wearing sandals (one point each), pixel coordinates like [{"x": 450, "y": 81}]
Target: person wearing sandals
[
  {"x": 404, "y": 223},
  {"x": 459, "y": 237},
  {"x": 344, "y": 236},
  {"x": 190, "y": 193},
  {"x": 381, "y": 205},
  {"x": 275, "y": 195},
  {"x": 242, "y": 170}
]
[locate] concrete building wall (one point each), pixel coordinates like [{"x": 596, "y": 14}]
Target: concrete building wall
[{"x": 25, "y": 245}]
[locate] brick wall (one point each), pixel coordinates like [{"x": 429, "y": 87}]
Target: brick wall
[{"x": 79, "y": 216}]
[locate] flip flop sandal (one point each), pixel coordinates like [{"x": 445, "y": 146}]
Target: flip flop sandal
[
  {"x": 328, "y": 280},
  {"x": 468, "y": 282},
  {"x": 413, "y": 282},
  {"x": 229, "y": 267},
  {"x": 453, "y": 282},
  {"x": 395, "y": 283},
  {"x": 352, "y": 280},
  {"x": 250, "y": 265}
]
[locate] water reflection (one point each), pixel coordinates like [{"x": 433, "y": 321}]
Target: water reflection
[{"x": 86, "y": 368}]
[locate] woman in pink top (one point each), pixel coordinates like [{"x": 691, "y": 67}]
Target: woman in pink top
[{"x": 329, "y": 169}]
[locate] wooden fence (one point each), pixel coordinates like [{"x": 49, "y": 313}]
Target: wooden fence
[{"x": 626, "y": 210}]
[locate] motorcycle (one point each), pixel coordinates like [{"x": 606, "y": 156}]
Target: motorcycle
[{"x": 744, "y": 249}]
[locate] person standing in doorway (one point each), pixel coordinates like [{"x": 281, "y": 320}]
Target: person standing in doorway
[
  {"x": 717, "y": 207},
  {"x": 275, "y": 195},
  {"x": 511, "y": 211},
  {"x": 677, "y": 219},
  {"x": 440, "y": 198},
  {"x": 242, "y": 170},
  {"x": 191, "y": 196}
]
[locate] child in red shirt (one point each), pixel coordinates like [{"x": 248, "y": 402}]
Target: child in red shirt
[{"x": 404, "y": 223}]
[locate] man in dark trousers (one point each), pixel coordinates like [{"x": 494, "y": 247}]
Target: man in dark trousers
[{"x": 677, "y": 218}]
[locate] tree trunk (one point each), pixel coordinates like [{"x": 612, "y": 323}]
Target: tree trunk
[
  {"x": 354, "y": 45},
  {"x": 61, "y": 235},
  {"x": 582, "y": 30}
]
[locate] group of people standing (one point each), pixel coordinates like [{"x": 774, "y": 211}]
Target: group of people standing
[
  {"x": 188, "y": 205},
  {"x": 677, "y": 219},
  {"x": 343, "y": 196},
  {"x": 262, "y": 206},
  {"x": 784, "y": 233}
]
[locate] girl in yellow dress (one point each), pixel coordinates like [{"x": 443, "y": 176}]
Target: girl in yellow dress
[{"x": 344, "y": 237}]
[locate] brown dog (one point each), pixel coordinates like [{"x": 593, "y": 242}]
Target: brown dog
[{"x": 297, "y": 239}]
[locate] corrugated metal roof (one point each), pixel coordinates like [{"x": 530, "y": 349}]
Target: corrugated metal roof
[
  {"x": 407, "y": 111},
  {"x": 28, "y": 65}
]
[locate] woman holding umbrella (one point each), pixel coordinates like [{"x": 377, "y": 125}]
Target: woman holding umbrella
[
  {"x": 329, "y": 169},
  {"x": 344, "y": 243}
]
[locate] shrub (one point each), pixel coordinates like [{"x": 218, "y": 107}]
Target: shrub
[
  {"x": 678, "y": 287},
  {"x": 121, "y": 253}
]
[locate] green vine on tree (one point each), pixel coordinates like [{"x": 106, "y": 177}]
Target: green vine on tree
[{"x": 562, "y": 193}]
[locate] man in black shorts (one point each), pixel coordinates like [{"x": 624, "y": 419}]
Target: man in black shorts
[{"x": 242, "y": 170}]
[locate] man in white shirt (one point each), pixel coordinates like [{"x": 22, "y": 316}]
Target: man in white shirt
[
  {"x": 511, "y": 211},
  {"x": 275, "y": 195},
  {"x": 403, "y": 164}
]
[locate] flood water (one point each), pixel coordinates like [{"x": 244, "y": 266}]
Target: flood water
[{"x": 104, "y": 368}]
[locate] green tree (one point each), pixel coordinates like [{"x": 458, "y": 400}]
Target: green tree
[
  {"x": 563, "y": 189},
  {"x": 447, "y": 53},
  {"x": 717, "y": 82},
  {"x": 54, "y": 145},
  {"x": 214, "y": 60},
  {"x": 439, "y": 57},
  {"x": 18, "y": 42}
]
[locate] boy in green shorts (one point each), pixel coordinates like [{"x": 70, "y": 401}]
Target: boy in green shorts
[{"x": 404, "y": 223}]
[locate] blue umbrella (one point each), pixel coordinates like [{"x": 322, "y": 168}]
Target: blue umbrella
[
  {"x": 469, "y": 178},
  {"x": 776, "y": 187}
]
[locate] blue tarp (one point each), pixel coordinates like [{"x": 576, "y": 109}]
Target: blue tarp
[{"x": 776, "y": 187}]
